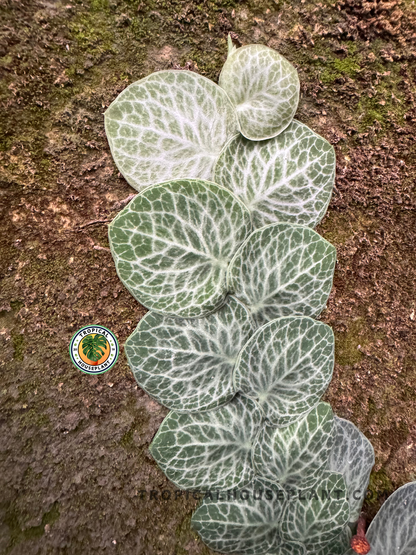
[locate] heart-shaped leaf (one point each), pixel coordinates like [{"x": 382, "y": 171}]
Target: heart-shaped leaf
[
  {"x": 264, "y": 88},
  {"x": 208, "y": 450},
  {"x": 187, "y": 365},
  {"x": 353, "y": 456},
  {"x": 172, "y": 244},
  {"x": 244, "y": 522},
  {"x": 317, "y": 516},
  {"x": 282, "y": 270},
  {"x": 170, "y": 125},
  {"x": 297, "y": 455},
  {"x": 286, "y": 366},
  {"x": 285, "y": 179},
  {"x": 393, "y": 530}
]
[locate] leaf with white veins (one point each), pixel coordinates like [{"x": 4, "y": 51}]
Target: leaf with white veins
[
  {"x": 169, "y": 125},
  {"x": 172, "y": 244},
  {"x": 286, "y": 366},
  {"x": 264, "y": 88},
  {"x": 187, "y": 365},
  {"x": 282, "y": 270},
  {"x": 297, "y": 455},
  {"x": 208, "y": 450},
  {"x": 286, "y": 179}
]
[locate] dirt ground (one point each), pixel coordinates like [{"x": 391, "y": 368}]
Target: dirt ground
[{"x": 73, "y": 448}]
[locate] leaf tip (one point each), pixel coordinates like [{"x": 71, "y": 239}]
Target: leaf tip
[{"x": 231, "y": 46}]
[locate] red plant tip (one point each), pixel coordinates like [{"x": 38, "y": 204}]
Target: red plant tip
[{"x": 360, "y": 545}]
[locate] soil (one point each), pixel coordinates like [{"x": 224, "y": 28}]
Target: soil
[{"x": 73, "y": 447}]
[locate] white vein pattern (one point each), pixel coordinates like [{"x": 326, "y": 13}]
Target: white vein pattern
[
  {"x": 297, "y": 455},
  {"x": 290, "y": 548},
  {"x": 286, "y": 366},
  {"x": 337, "y": 546},
  {"x": 172, "y": 244},
  {"x": 187, "y": 365},
  {"x": 209, "y": 450},
  {"x": 319, "y": 516},
  {"x": 264, "y": 88},
  {"x": 171, "y": 124},
  {"x": 285, "y": 179},
  {"x": 393, "y": 530},
  {"x": 245, "y": 522},
  {"x": 353, "y": 456},
  {"x": 282, "y": 270}
]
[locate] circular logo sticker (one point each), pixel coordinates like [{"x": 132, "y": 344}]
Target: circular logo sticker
[{"x": 94, "y": 349}]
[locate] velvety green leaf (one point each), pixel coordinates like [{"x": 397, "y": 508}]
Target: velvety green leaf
[
  {"x": 297, "y": 455},
  {"x": 264, "y": 88},
  {"x": 285, "y": 179},
  {"x": 208, "y": 450},
  {"x": 187, "y": 365},
  {"x": 353, "y": 456},
  {"x": 172, "y": 244},
  {"x": 337, "y": 546},
  {"x": 317, "y": 515},
  {"x": 393, "y": 530},
  {"x": 282, "y": 270},
  {"x": 290, "y": 548},
  {"x": 286, "y": 366},
  {"x": 244, "y": 522},
  {"x": 170, "y": 125}
]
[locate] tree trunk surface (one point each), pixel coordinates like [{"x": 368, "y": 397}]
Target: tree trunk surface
[{"x": 76, "y": 474}]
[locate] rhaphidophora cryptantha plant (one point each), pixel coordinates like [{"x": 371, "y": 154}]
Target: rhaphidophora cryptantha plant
[{"x": 219, "y": 245}]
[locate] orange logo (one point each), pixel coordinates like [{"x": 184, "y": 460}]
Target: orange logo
[{"x": 94, "y": 349}]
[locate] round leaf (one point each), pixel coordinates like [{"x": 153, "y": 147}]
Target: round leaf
[
  {"x": 187, "y": 365},
  {"x": 286, "y": 366},
  {"x": 170, "y": 125},
  {"x": 297, "y": 455},
  {"x": 172, "y": 244},
  {"x": 285, "y": 179},
  {"x": 208, "y": 450},
  {"x": 264, "y": 88},
  {"x": 244, "y": 521},
  {"x": 282, "y": 270}
]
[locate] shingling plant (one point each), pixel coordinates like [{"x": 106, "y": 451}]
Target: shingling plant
[{"x": 219, "y": 246}]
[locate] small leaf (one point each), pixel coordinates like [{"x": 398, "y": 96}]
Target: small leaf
[
  {"x": 285, "y": 179},
  {"x": 231, "y": 47},
  {"x": 352, "y": 456},
  {"x": 187, "y": 365},
  {"x": 286, "y": 366},
  {"x": 94, "y": 347},
  {"x": 282, "y": 270},
  {"x": 172, "y": 244},
  {"x": 244, "y": 521},
  {"x": 264, "y": 88},
  {"x": 208, "y": 450},
  {"x": 297, "y": 455},
  {"x": 317, "y": 516},
  {"x": 170, "y": 125},
  {"x": 393, "y": 529}
]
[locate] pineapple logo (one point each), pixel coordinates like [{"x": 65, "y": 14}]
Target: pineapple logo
[{"x": 94, "y": 349}]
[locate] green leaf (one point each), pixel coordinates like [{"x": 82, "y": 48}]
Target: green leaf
[
  {"x": 264, "y": 88},
  {"x": 282, "y": 270},
  {"x": 285, "y": 179},
  {"x": 290, "y": 548},
  {"x": 353, "y": 456},
  {"x": 172, "y": 244},
  {"x": 244, "y": 522},
  {"x": 393, "y": 530},
  {"x": 318, "y": 515},
  {"x": 337, "y": 546},
  {"x": 170, "y": 125},
  {"x": 286, "y": 366},
  {"x": 187, "y": 365},
  {"x": 94, "y": 347},
  {"x": 297, "y": 455},
  {"x": 208, "y": 450}
]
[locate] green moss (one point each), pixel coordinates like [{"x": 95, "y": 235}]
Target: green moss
[
  {"x": 17, "y": 535},
  {"x": 18, "y": 346},
  {"x": 379, "y": 487},
  {"x": 346, "y": 344}
]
